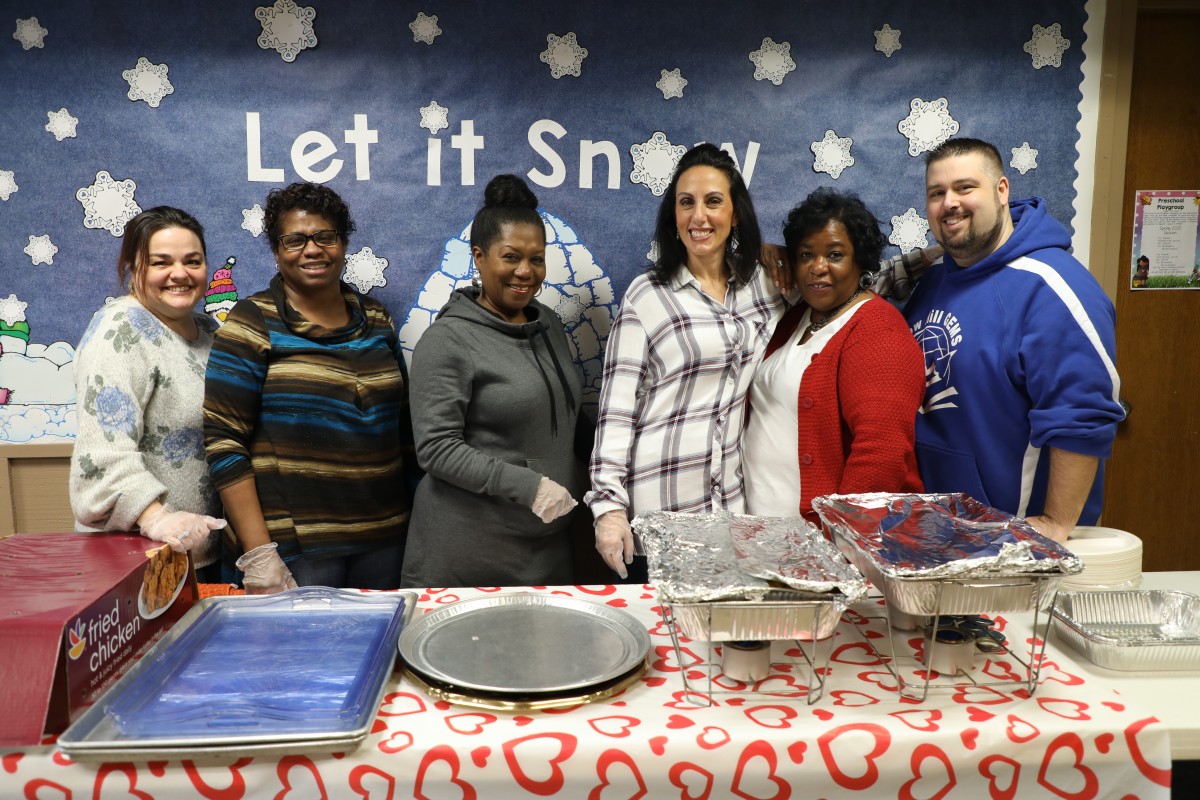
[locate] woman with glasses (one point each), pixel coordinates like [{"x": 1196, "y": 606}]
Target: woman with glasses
[
  {"x": 138, "y": 461},
  {"x": 306, "y": 420}
]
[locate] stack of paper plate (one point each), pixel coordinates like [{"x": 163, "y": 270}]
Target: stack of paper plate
[{"x": 1112, "y": 559}]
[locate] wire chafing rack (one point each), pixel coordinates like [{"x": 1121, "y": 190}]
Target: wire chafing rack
[
  {"x": 799, "y": 633},
  {"x": 941, "y": 612}
]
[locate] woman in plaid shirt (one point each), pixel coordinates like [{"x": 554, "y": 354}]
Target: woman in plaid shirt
[{"x": 680, "y": 359}]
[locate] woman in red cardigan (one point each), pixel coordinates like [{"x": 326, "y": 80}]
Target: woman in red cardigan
[{"x": 842, "y": 376}]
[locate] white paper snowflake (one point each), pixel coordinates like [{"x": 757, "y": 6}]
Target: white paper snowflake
[
  {"x": 652, "y": 253},
  {"x": 286, "y": 28},
  {"x": 671, "y": 83},
  {"x": 435, "y": 117},
  {"x": 30, "y": 33},
  {"x": 41, "y": 250},
  {"x": 908, "y": 231},
  {"x": 654, "y": 162},
  {"x": 108, "y": 204},
  {"x": 772, "y": 62},
  {"x": 1047, "y": 46},
  {"x": 887, "y": 40},
  {"x": 570, "y": 309},
  {"x": 1024, "y": 158},
  {"x": 61, "y": 124},
  {"x": 833, "y": 154},
  {"x": 364, "y": 270},
  {"x": 252, "y": 220},
  {"x": 148, "y": 82},
  {"x": 928, "y": 125},
  {"x": 424, "y": 28},
  {"x": 12, "y": 310},
  {"x": 8, "y": 184},
  {"x": 564, "y": 55}
]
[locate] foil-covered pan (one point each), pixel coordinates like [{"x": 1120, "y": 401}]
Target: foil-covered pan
[
  {"x": 522, "y": 645},
  {"x": 946, "y": 553},
  {"x": 1143, "y": 630},
  {"x": 736, "y": 577},
  {"x": 723, "y": 556}
]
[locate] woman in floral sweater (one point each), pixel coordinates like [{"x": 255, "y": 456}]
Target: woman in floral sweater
[{"x": 138, "y": 462}]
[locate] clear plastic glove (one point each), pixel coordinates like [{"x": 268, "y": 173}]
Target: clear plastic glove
[
  {"x": 614, "y": 540},
  {"x": 551, "y": 501},
  {"x": 263, "y": 571},
  {"x": 183, "y": 530}
]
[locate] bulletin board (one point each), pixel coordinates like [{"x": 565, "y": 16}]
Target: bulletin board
[{"x": 407, "y": 109}]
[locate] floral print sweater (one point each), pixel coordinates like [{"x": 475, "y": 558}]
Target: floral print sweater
[{"x": 139, "y": 403}]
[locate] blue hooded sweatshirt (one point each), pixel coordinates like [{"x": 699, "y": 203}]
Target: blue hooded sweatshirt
[{"x": 1019, "y": 357}]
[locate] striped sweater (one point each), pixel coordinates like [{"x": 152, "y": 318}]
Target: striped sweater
[{"x": 318, "y": 416}]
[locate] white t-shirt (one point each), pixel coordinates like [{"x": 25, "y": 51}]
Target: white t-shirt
[{"x": 770, "y": 467}]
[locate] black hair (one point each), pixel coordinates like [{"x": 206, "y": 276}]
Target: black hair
[
  {"x": 313, "y": 198},
  {"x": 135, "y": 243},
  {"x": 963, "y": 146},
  {"x": 826, "y": 204},
  {"x": 507, "y": 200},
  {"x": 1140, "y": 259},
  {"x": 671, "y": 251}
]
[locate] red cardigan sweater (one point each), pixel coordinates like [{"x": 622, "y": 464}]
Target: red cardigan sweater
[{"x": 857, "y": 406}]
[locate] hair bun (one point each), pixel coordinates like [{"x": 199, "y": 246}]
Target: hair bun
[{"x": 508, "y": 190}]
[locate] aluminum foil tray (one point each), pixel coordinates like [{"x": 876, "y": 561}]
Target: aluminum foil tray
[
  {"x": 946, "y": 554},
  {"x": 181, "y": 700},
  {"x": 723, "y": 556},
  {"x": 778, "y": 616},
  {"x": 1134, "y": 630}
]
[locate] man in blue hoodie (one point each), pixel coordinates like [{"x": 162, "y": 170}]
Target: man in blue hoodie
[{"x": 1021, "y": 400}]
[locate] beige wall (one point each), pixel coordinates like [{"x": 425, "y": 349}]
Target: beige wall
[{"x": 33, "y": 489}]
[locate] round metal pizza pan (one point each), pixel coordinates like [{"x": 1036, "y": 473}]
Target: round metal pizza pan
[{"x": 524, "y": 644}]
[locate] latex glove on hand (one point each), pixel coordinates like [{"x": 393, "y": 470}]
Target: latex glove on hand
[
  {"x": 263, "y": 571},
  {"x": 183, "y": 530},
  {"x": 552, "y": 501},
  {"x": 614, "y": 540}
]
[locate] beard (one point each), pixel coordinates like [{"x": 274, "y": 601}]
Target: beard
[{"x": 974, "y": 244}]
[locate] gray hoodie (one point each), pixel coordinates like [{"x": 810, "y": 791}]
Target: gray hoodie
[{"x": 494, "y": 409}]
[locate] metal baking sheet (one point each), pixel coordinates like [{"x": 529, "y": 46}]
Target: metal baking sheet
[
  {"x": 1132, "y": 630},
  {"x": 523, "y": 643},
  {"x": 98, "y": 734}
]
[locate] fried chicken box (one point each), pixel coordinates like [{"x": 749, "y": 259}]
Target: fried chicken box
[{"x": 75, "y": 609}]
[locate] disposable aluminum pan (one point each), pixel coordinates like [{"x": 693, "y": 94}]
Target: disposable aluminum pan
[
  {"x": 946, "y": 554},
  {"x": 781, "y": 615},
  {"x": 1134, "y": 630}
]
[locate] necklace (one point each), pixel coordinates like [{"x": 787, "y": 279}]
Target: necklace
[{"x": 813, "y": 327}]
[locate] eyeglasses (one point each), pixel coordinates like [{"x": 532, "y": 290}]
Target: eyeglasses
[{"x": 297, "y": 241}]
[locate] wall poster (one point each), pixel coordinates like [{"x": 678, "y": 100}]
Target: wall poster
[{"x": 1166, "y": 239}]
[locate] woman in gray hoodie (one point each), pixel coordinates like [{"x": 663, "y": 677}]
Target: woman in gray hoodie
[{"x": 495, "y": 401}]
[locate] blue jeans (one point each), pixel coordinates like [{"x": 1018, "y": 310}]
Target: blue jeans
[{"x": 374, "y": 569}]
